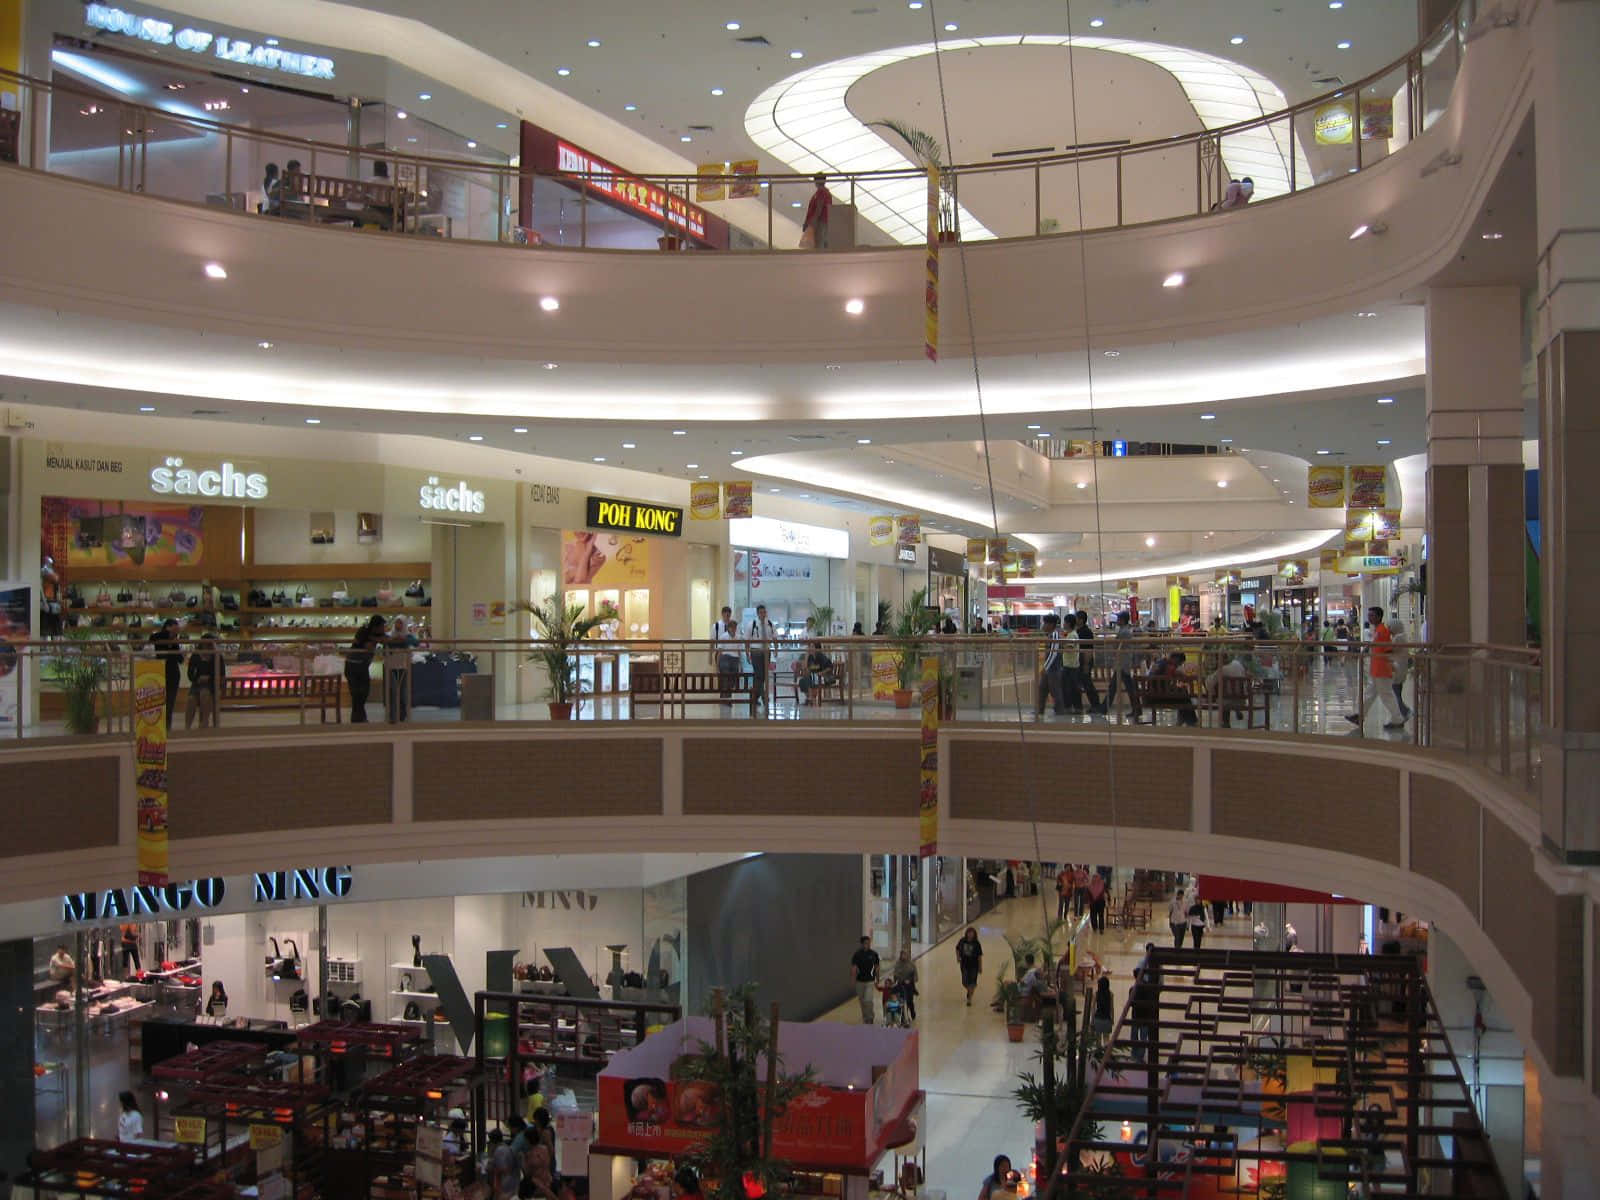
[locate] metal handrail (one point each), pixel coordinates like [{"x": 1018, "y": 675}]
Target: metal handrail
[{"x": 1412, "y": 63}]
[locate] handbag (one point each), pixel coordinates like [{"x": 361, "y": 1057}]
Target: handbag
[
  {"x": 230, "y": 603},
  {"x": 808, "y": 238},
  {"x": 124, "y": 596},
  {"x": 280, "y": 599},
  {"x": 413, "y": 1011},
  {"x": 142, "y": 596},
  {"x": 386, "y": 594},
  {"x": 178, "y": 597},
  {"x": 193, "y": 601},
  {"x": 369, "y": 602},
  {"x": 102, "y": 598},
  {"x": 75, "y": 597},
  {"x": 340, "y": 592},
  {"x": 415, "y": 590}
]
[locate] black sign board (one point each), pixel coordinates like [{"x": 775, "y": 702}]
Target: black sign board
[{"x": 635, "y": 516}]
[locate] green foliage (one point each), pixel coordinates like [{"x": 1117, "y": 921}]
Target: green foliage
[
  {"x": 883, "y": 615},
  {"x": 824, "y": 614},
  {"x": 912, "y": 625},
  {"x": 926, "y": 150},
  {"x": 736, "y": 1146},
  {"x": 80, "y": 677},
  {"x": 1043, "y": 947},
  {"x": 562, "y": 627}
]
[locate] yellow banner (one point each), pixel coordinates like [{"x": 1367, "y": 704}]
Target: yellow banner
[
  {"x": 150, "y": 769},
  {"x": 1227, "y": 578},
  {"x": 997, "y": 550},
  {"x": 1027, "y": 564},
  {"x": 1334, "y": 123},
  {"x": 1292, "y": 572},
  {"x": 1360, "y": 526},
  {"x": 746, "y": 185},
  {"x": 928, "y": 800},
  {"x": 880, "y": 530},
  {"x": 1369, "y": 487},
  {"x": 264, "y": 1137},
  {"x": 1385, "y": 523},
  {"x": 738, "y": 498},
  {"x": 977, "y": 551},
  {"x": 1377, "y": 118},
  {"x": 1328, "y": 560},
  {"x": 885, "y": 675},
  {"x": 930, "y": 283},
  {"x": 705, "y": 501},
  {"x": 598, "y": 559},
  {"x": 908, "y": 531},
  {"x": 1325, "y": 487},
  {"x": 709, "y": 184},
  {"x": 189, "y": 1131}
]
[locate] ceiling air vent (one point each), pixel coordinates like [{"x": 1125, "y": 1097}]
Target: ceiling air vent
[
  {"x": 702, "y": 128},
  {"x": 808, "y": 437},
  {"x": 757, "y": 40},
  {"x": 1329, "y": 81},
  {"x": 207, "y": 412}
]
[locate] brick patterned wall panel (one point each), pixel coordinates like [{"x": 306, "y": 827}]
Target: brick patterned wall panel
[
  {"x": 1072, "y": 782},
  {"x": 67, "y": 803},
  {"x": 218, "y": 793},
  {"x": 463, "y": 780},
  {"x": 1540, "y": 934},
  {"x": 1353, "y": 808},
  {"x": 806, "y": 777},
  {"x": 1444, "y": 836}
]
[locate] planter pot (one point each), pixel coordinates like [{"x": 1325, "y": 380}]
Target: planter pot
[
  {"x": 561, "y": 712},
  {"x": 669, "y": 242},
  {"x": 947, "y": 236},
  {"x": 1014, "y": 1032},
  {"x": 902, "y": 697}
]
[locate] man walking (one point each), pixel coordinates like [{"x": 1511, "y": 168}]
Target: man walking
[
  {"x": 1122, "y": 665},
  {"x": 761, "y": 633},
  {"x": 864, "y": 975},
  {"x": 1381, "y": 670},
  {"x": 1085, "y": 633},
  {"x": 725, "y": 656},
  {"x": 1050, "y": 678},
  {"x": 816, "y": 222}
]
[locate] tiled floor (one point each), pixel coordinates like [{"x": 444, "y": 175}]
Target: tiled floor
[{"x": 968, "y": 1066}]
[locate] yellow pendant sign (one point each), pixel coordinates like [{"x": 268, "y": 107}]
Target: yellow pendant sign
[
  {"x": 150, "y": 767},
  {"x": 928, "y": 794}
]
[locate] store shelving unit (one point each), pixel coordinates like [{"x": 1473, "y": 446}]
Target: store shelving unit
[{"x": 400, "y": 995}]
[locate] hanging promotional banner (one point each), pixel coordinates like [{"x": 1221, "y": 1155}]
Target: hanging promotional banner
[
  {"x": 977, "y": 551},
  {"x": 1359, "y": 526},
  {"x": 1328, "y": 560},
  {"x": 1131, "y": 586},
  {"x": 1333, "y": 123},
  {"x": 1027, "y": 564},
  {"x": 928, "y": 802},
  {"x": 930, "y": 282},
  {"x": 880, "y": 530},
  {"x": 705, "y": 501},
  {"x": 738, "y": 499},
  {"x": 908, "y": 530},
  {"x": 744, "y": 184},
  {"x": 1385, "y": 524},
  {"x": 1325, "y": 487},
  {"x": 1080, "y": 448},
  {"x": 885, "y": 675},
  {"x": 708, "y": 182},
  {"x": 1369, "y": 487},
  {"x": 1292, "y": 572},
  {"x": 1377, "y": 118},
  {"x": 1227, "y": 578},
  {"x": 150, "y": 769},
  {"x": 997, "y": 550}
]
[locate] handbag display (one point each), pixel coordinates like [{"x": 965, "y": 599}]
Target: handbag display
[
  {"x": 415, "y": 590},
  {"x": 102, "y": 598},
  {"x": 75, "y": 597},
  {"x": 280, "y": 599},
  {"x": 386, "y": 594},
  {"x": 230, "y": 603},
  {"x": 413, "y": 1011},
  {"x": 178, "y": 597},
  {"x": 303, "y": 597},
  {"x": 124, "y": 596},
  {"x": 340, "y": 592},
  {"x": 142, "y": 596}
]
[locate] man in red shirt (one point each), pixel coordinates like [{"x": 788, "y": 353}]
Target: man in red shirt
[
  {"x": 1381, "y": 668},
  {"x": 817, "y": 213}
]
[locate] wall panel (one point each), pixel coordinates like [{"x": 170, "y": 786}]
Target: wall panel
[
  {"x": 459, "y": 779},
  {"x": 1078, "y": 782},
  {"x": 1354, "y": 808}
]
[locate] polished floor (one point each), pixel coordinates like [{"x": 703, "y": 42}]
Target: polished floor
[{"x": 968, "y": 1066}]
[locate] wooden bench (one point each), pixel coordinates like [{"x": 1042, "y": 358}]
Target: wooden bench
[
  {"x": 830, "y": 687},
  {"x": 1163, "y": 691},
  {"x": 1239, "y": 694},
  {"x": 275, "y": 690},
  {"x": 679, "y": 689},
  {"x": 325, "y": 198}
]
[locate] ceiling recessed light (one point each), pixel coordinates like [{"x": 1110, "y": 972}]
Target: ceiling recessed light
[
  {"x": 563, "y": 71},
  {"x": 599, "y": 458},
  {"x": 1149, "y": 542},
  {"x": 1344, "y": 45},
  {"x": 797, "y": 54},
  {"x": 147, "y": 408},
  {"x": 1176, "y": 279},
  {"x": 474, "y": 437},
  {"x": 685, "y": 138},
  {"x": 774, "y": 489},
  {"x": 519, "y": 429},
  {"x": 1324, "y": 451},
  {"x": 691, "y": 466},
  {"x": 1208, "y": 416},
  {"x": 630, "y": 445},
  {"x": 1225, "y": 441},
  {"x": 1096, "y": 22},
  {"x": 551, "y": 366},
  {"x": 736, "y": 453},
  {"x": 951, "y": 27},
  {"x": 313, "y": 420},
  {"x": 863, "y": 441},
  {"x": 216, "y": 271},
  {"x": 913, "y": 3},
  {"x": 1236, "y": 40},
  {"x": 264, "y": 345},
  {"x": 732, "y": 27},
  {"x": 1491, "y": 237},
  {"x": 1222, "y": 483},
  {"x": 705, "y": 477},
  {"x": 272, "y": 41},
  {"x": 1112, "y": 353},
  {"x": 401, "y": 115},
  {"x": 1385, "y": 441},
  {"x": 1366, "y": 314},
  {"x": 1385, "y": 399},
  {"x": 630, "y": 108},
  {"x": 1045, "y": 434},
  {"x": 424, "y": 95},
  {"x": 680, "y": 433},
  {"x": 855, "y": 307},
  {"x": 501, "y": 125},
  {"x": 549, "y": 303},
  {"x": 1335, "y": 4},
  {"x": 716, "y": 91},
  {"x": 472, "y": 145},
  {"x": 1277, "y": 481},
  {"x": 594, "y": 43},
  {"x": 1035, "y": 426},
  {"x": 1082, "y": 485}
]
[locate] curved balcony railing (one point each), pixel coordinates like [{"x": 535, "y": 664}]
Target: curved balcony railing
[
  {"x": 1482, "y": 702},
  {"x": 1320, "y": 140}
]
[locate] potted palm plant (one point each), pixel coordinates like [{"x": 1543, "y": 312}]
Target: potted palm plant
[
  {"x": 1008, "y": 999},
  {"x": 80, "y": 677},
  {"x": 561, "y": 627},
  {"x": 928, "y": 153},
  {"x": 912, "y": 624}
]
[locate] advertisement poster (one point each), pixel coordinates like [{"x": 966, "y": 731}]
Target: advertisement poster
[
  {"x": 738, "y": 499},
  {"x": 908, "y": 531},
  {"x": 1027, "y": 564},
  {"x": 928, "y": 795},
  {"x": 744, "y": 184},
  {"x": 1080, "y": 448},
  {"x": 480, "y": 613},
  {"x": 705, "y": 501},
  {"x": 596, "y": 559},
  {"x": 766, "y": 565},
  {"x": 15, "y": 601},
  {"x": 1328, "y": 560},
  {"x": 1359, "y": 526},
  {"x": 977, "y": 551},
  {"x": 1292, "y": 572},
  {"x": 708, "y": 184},
  {"x": 885, "y": 675},
  {"x": 122, "y": 535},
  {"x": 1377, "y": 118},
  {"x": 997, "y": 550},
  {"x": 880, "y": 530},
  {"x": 1369, "y": 487},
  {"x": 1385, "y": 524},
  {"x": 930, "y": 282},
  {"x": 1226, "y": 579},
  {"x": 189, "y": 1131},
  {"x": 150, "y": 767},
  {"x": 1325, "y": 487},
  {"x": 1333, "y": 123}
]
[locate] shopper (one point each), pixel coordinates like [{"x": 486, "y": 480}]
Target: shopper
[
  {"x": 1070, "y": 658},
  {"x": 1122, "y": 665},
  {"x": 358, "y": 667},
  {"x": 1097, "y": 902},
  {"x": 1178, "y": 917},
  {"x": 503, "y": 1171},
  {"x": 130, "y": 1121},
  {"x": 762, "y": 633},
  {"x": 1143, "y": 1009},
  {"x": 1085, "y": 635},
  {"x": 1171, "y": 667},
  {"x": 271, "y": 190},
  {"x": 1080, "y": 889},
  {"x": 1064, "y": 889},
  {"x": 725, "y": 654},
  {"x": 817, "y": 213},
  {"x": 1101, "y": 1019},
  {"x": 998, "y": 1180},
  {"x": 905, "y": 981},
  {"x": 1402, "y": 667},
  {"x": 819, "y": 673},
  {"x": 1052, "y": 676},
  {"x": 131, "y": 964},
  {"x": 206, "y": 673},
  {"x": 164, "y": 641},
  {"x": 397, "y": 670},
  {"x": 1381, "y": 670},
  {"x": 544, "y": 1131},
  {"x": 864, "y": 975},
  {"x": 969, "y": 957},
  {"x": 63, "y": 970},
  {"x": 1198, "y": 919}
]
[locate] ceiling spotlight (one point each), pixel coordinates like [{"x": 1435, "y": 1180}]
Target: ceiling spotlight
[
  {"x": 1176, "y": 279},
  {"x": 1385, "y": 441},
  {"x": 264, "y": 345},
  {"x": 716, "y": 91},
  {"x": 736, "y": 453},
  {"x": 549, "y": 303},
  {"x": 1225, "y": 441},
  {"x": 1324, "y": 451},
  {"x": 147, "y": 408},
  {"x": 594, "y": 43},
  {"x": 685, "y": 138},
  {"x": 630, "y": 108},
  {"x": 1035, "y": 426},
  {"x": 1045, "y": 434},
  {"x": 630, "y": 445},
  {"x": 424, "y": 95},
  {"x": 797, "y": 54},
  {"x": 691, "y": 466},
  {"x": 1366, "y": 314},
  {"x": 313, "y": 420},
  {"x": 680, "y": 432},
  {"x": 774, "y": 489},
  {"x": 732, "y": 27},
  {"x": 1385, "y": 399},
  {"x": 563, "y": 71},
  {"x": 1082, "y": 485},
  {"x": 1112, "y": 353},
  {"x": 855, "y": 307},
  {"x": 551, "y": 366},
  {"x": 519, "y": 429},
  {"x": 474, "y": 437},
  {"x": 1236, "y": 40},
  {"x": 1096, "y": 22},
  {"x": 401, "y": 115},
  {"x": 1222, "y": 483},
  {"x": 913, "y": 3},
  {"x": 863, "y": 441},
  {"x": 216, "y": 271},
  {"x": 1335, "y": 4},
  {"x": 1149, "y": 543},
  {"x": 501, "y": 125},
  {"x": 472, "y": 145},
  {"x": 1208, "y": 416},
  {"x": 1491, "y": 237},
  {"x": 599, "y": 458},
  {"x": 705, "y": 477},
  {"x": 1344, "y": 45}
]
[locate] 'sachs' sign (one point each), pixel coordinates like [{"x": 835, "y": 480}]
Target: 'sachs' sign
[{"x": 632, "y": 516}]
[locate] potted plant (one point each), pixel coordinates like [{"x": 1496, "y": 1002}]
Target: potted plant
[
  {"x": 928, "y": 153},
  {"x": 1008, "y": 999},
  {"x": 80, "y": 677},
  {"x": 912, "y": 624},
  {"x": 561, "y": 627}
]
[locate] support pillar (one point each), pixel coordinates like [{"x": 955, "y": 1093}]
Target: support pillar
[{"x": 1475, "y": 491}]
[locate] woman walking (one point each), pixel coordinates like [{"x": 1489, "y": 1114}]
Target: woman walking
[
  {"x": 969, "y": 956},
  {"x": 1178, "y": 917},
  {"x": 1198, "y": 919},
  {"x": 358, "y": 667}
]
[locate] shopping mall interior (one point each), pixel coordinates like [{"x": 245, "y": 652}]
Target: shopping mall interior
[{"x": 944, "y": 598}]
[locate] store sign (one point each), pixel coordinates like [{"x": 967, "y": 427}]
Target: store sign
[
  {"x": 199, "y": 41},
  {"x": 634, "y": 516},
  {"x": 54, "y": 461},
  {"x": 789, "y": 537},
  {"x": 656, "y": 203},
  {"x": 302, "y": 885},
  {"x": 1371, "y": 564},
  {"x": 905, "y": 554},
  {"x": 544, "y": 493},
  {"x": 172, "y": 478},
  {"x": 458, "y": 498}
]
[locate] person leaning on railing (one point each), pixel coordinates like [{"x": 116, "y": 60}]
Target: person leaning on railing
[{"x": 206, "y": 674}]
